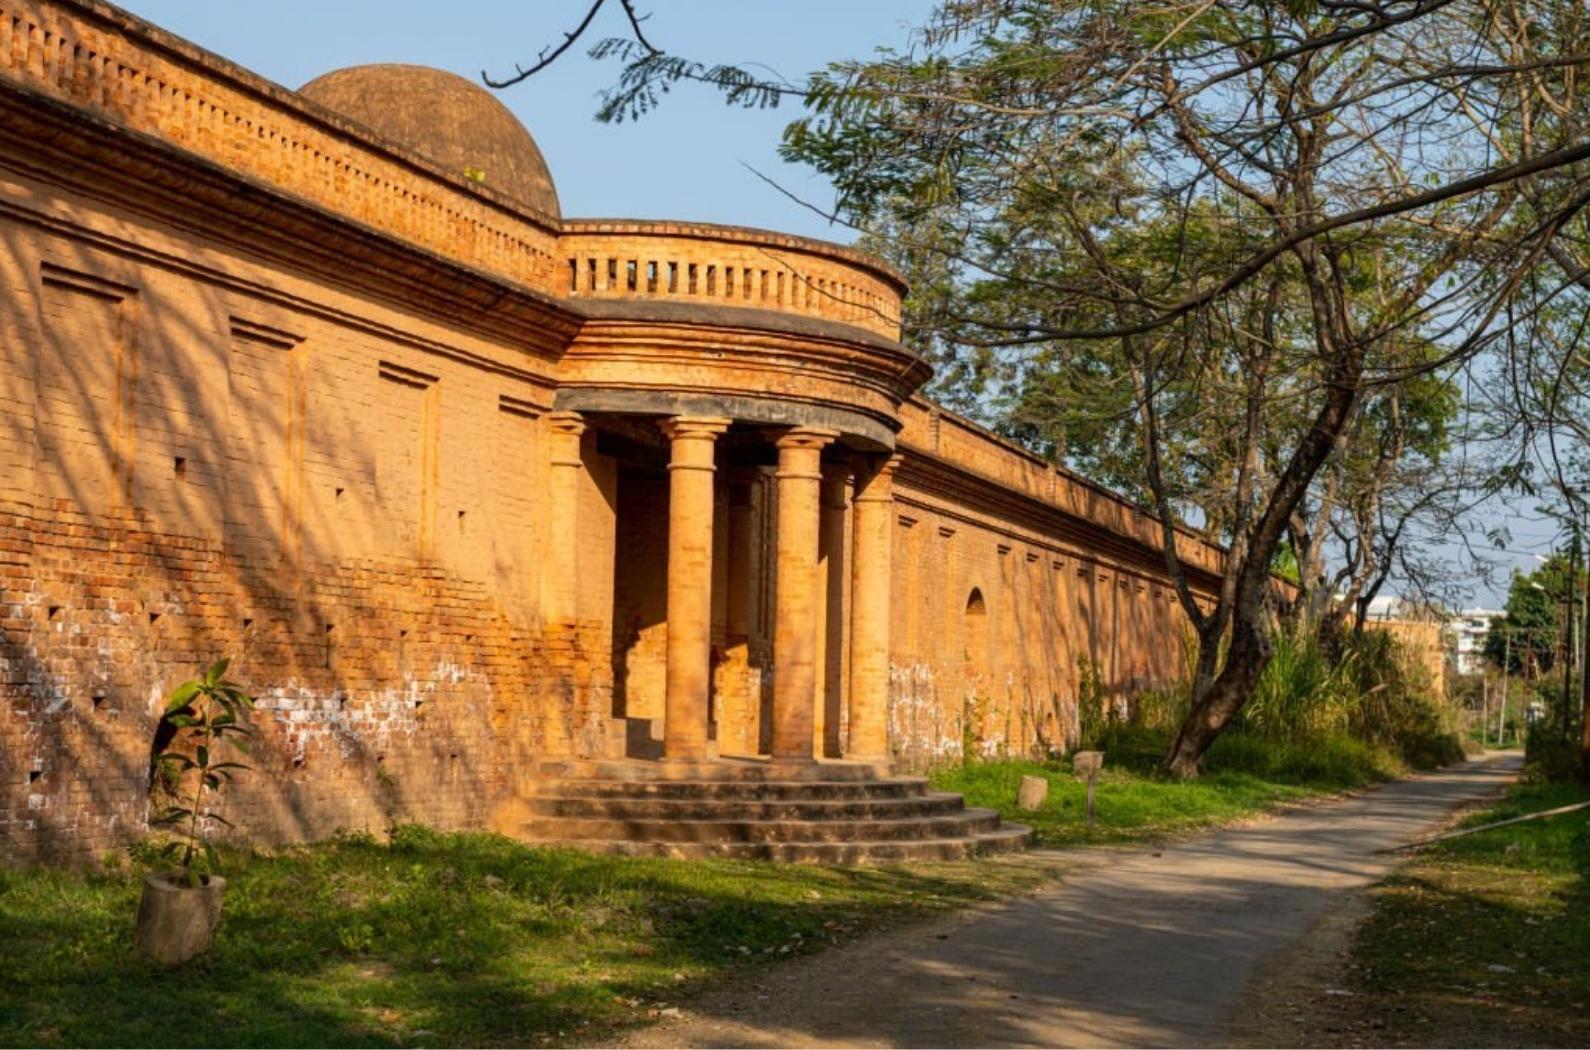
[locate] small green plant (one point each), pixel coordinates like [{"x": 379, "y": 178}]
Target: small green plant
[
  {"x": 1092, "y": 713},
  {"x": 201, "y": 715},
  {"x": 973, "y": 710}
]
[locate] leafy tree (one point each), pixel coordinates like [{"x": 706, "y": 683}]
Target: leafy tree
[
  {"x": 1226, "y": 255},
  {"x": 1534, "y": 617}
]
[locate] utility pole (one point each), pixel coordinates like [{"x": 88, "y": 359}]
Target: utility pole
[
  {"x": 1507, "y": 670},
  {"x": 1485, "y": 710},
  {"x": 1529, "y": 667}
]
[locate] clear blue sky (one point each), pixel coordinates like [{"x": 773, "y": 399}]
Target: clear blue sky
[{"x": 685, "y": 161}]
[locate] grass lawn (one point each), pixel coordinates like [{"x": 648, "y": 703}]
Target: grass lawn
[
  {"x": 434, "y": 939},
  {"x": 1484, "y": 940},
  {"x": 1244, "y": 776},
  {"x": 1128, "y": 806},
  {"x": 474, "y": 939}
]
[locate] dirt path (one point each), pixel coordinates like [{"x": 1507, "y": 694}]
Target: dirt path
[{"x": 1150, "y": 947}]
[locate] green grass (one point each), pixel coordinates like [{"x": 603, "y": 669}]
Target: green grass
[
  {"x": 1485, "y": 940},
  {"x": 446, "y": 939},
  {"x": 433, "y": 939},
  {"x": 1245, "y": 775}
]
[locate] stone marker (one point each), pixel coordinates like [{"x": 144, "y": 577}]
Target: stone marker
[{"x": 1031, "y": 793}]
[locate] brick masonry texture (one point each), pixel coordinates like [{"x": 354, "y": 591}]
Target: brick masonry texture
[{"x": 275, "y": 388}]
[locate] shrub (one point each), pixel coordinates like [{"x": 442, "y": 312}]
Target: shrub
[
  {"x": 1359, "y": 716},
  {"x": 1337, "y": 760},
  {"x": 1138, "y": 748},
  {"x": 1092, "y": 705},
  {"x": 1162, "y": 707},
  {"x": 1371, "y": 692},
  {"x": 1549, "y": 757}
]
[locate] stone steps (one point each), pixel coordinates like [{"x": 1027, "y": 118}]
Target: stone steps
[
  {"x": 815, "y": 812},
  {"x": 728, "y": 770},
  {"x": 647, "y": 807},
  {"x": 1008, "y": 837},
  {"x": 798, "y": 830},
  {"x": 738, "y": 791}
]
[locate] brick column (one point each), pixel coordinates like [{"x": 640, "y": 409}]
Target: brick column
[
  {"x": 832, "y": 563},
  {"x": 795, "y": 607},
  {"x": 873, "y": 543},
  {"x": 690, "y": 516},
  {"x": 561, "y": 599},
  {"x": 561, "y": 583}
]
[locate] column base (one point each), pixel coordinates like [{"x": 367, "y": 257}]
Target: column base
[
  {"x": 707, "y": 753},
  {"x": 792, "y": 760}
]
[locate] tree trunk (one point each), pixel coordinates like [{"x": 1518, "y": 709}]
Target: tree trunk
[{"x": 1216, "y": 701}]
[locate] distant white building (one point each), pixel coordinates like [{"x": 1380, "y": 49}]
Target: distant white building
[
  {"x": 1384, "y": 607},
  {"x": 1389, "y": 607},
  {"x": 1469, "y": 628}
]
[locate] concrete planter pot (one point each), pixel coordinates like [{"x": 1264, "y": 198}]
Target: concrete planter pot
[{"x": 176, "y": 921}]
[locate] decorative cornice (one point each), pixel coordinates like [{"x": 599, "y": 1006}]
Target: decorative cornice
[{"x": 58, "y": 143}]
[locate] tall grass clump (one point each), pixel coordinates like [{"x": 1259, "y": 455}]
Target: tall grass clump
[
  {"x": 1370, "y": 691},
  {"x": 1303, "y": 693},
  {"x": 1357, "y": 716}
]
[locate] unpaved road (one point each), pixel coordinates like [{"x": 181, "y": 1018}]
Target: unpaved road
[{"x": 1146, "y": 947}]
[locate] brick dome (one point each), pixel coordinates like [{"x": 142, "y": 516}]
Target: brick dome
[{"x": 446, "y": 119}]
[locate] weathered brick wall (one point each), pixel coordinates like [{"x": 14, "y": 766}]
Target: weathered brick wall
[
  {"x": 640, "y": 606},
  {"x": 330, "y": 461},
  {"x": 221, "y": 458},
  {"x": 945, "y": 436},
  {"x": 993, "y": 619},
  {"x": 1423, "y": 645}
]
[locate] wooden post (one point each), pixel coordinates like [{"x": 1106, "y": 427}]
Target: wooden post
[
  {"x": 1088, "y": 763},
  {"x": 1507, "y": 670},
  {"x": 1485, "y": 709}
]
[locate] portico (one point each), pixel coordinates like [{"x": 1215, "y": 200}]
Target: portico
[{"x": 755, "y": 636}]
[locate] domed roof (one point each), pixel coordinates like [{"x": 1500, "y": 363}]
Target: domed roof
[{"x": 441, "y": 116}]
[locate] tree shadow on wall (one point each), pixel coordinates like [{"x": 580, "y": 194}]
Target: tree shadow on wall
[{"x": 190, "y": 472}]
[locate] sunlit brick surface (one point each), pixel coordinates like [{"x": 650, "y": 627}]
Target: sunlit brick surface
[{"x": 398, "y": 444}]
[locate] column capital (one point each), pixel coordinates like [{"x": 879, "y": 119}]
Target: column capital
[
  {"x": 699, "y": 427},
  {"x": 571, "y": 423},
  {"x": 875, "y": 477},
  {"x": 806, "y": 437}
]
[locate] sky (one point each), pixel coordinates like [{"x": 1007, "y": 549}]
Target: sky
[{"x": 688, "y": 160}]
